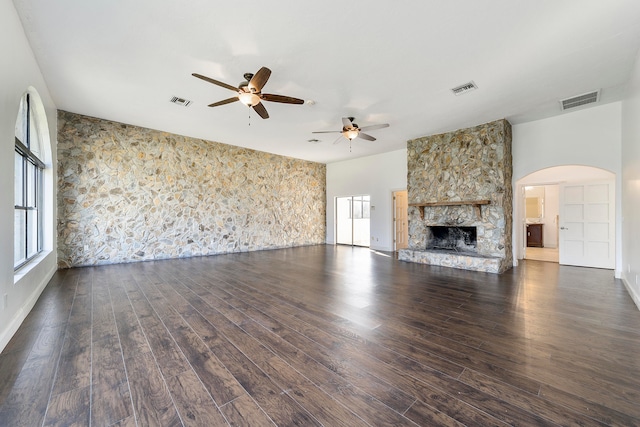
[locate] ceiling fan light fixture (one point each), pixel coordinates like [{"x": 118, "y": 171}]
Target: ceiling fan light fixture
[
  {"x": 350, "y": 134},
  {"x": 249, "y": 99}
]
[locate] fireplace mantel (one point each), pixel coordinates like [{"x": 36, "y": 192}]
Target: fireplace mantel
[{"x": 475, "y": 203}]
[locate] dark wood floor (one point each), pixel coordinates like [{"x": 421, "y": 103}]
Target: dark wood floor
[{"x": 324, "y": 335}]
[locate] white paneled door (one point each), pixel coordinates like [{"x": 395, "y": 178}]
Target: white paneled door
[{"x": 587, "y": 224}]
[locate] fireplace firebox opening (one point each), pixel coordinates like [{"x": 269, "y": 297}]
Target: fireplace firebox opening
[{"x": 448, "y": 238}]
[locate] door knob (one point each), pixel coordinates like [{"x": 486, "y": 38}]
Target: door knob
[{"x": 564, "y": 228}]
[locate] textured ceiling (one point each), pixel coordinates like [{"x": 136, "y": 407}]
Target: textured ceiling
[{"x": 380, "y": 62}]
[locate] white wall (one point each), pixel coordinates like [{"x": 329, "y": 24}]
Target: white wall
[
  {"x": 631, "y": 186},
  {"x": 377, "y": 176},
  {"x": 589, "y": 137},
  {"x": 19, "y": 72}
]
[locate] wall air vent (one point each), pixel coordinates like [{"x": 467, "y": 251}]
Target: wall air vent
[
  {"x": 180, "y": 101},
  {"x": 580, "y": 100},
  {"x": 467, "y": 87}
]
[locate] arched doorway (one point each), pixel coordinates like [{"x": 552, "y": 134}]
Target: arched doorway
[{"x": 548, "y": 201}]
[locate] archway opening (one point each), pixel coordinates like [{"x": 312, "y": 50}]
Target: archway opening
[{"x": 539, "y": 230}]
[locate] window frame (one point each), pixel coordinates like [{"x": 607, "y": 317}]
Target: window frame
[
  {"x": 31, "y": 198},
  {"x": 364, "y": 210}
]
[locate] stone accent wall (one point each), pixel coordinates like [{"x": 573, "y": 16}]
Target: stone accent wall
[
  {"x": 464, "y": 165},
  {"x": 131, "y": 194}
]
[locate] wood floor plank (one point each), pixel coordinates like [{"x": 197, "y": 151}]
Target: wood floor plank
[
  {"x": 110, "y": 394},
  {"x": 130, "y": 332},
  {"x": 221, "y": 384},
  {"x": 598, "y": 411},
  {"x": 294, "y": 384},
  {"x": 80, "y": 318},
  {"x": 11, "y": 364},
  {"x": 103, "y": 320},
  {"x": 272, "y": 399},
  {"x": 425, "y": 415},
  {"x": 70, "y": 408},
  {"x": 74, "y": 368},
  {"x": 193, "y": 401},
  {"x": 386, "y": 393},
  {"x": 278, "y": 405},
  {"x": 324, "y": 335},
  {"x": 283, "y": 409},
  {"x": 475, "y": 414},
  {"x": 243, "y": 411},
  {"x": 165, "y": 351},
  {"x": 27, "y": 401},
  {"x": 368, "y": 407},
  {"x": 533, "y": 403},
  {"x": 26, "y": 335},
  {"x": 469, "y": 357},
  {"x": 150, "y": 395}
]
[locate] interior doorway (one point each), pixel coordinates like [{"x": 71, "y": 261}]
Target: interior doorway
[
  {"x": 353, "y": 220},
  {"x": 565, "y": 215},
  {"x": 541, "y": 207}
]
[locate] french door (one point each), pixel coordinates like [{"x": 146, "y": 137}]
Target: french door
[{"x": 353, "y": 215}]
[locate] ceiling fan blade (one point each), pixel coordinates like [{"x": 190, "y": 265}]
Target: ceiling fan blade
[
  {"x": 365, "y": 136},
  {"x": 337, "y": 140},
  {"x": 346, "y": 122},
  {"x": 373, "y": 127},
  {"x": 327, "y": 131},
  {"x": 259, "y": 79},
  {"x": 262, "y": 112},
  {"x": 281, "y": 98},
  {"x": 224, "y": 101},
  {"x": 215, "y": 82}
]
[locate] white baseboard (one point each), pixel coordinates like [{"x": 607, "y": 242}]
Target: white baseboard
[
  {"x": 634, "y": 295},
  {"x": 7, "y": 333}
]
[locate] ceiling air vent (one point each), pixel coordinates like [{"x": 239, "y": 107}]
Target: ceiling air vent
[
  {"x": 580, "y": 100},
  {"x": 467, "y": 87},
  {"x": 181, "y": 101}
]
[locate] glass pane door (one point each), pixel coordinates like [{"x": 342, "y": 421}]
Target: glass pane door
[
  {"x": 353, "y": 215},
  {"x": 344, "y": 223}
]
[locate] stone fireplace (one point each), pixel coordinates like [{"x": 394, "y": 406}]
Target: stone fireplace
[{"x": 460, "y": 199}]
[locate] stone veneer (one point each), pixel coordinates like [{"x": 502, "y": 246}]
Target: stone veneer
[
  {"x": 464, "y": 165},
  {"x": 130, "y": 194}
]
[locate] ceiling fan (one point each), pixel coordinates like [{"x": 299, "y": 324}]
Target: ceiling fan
[
  {"x": 249, "y": 92},
  {"x": 351, "y": 130}
]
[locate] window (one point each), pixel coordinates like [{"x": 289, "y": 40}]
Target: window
[
  {"x": 27, "y": 187},
  {"x": 361, "y": 207}
]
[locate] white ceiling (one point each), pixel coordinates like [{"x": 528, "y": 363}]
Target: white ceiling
[{"x": 381, "y": 62}]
